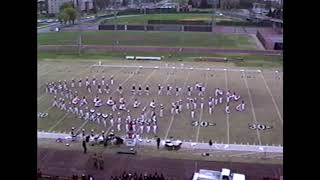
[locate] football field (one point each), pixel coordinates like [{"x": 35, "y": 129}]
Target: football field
[{"x": 260, "y": 124}]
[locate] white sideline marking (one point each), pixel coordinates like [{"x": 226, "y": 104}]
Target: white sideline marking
[
  {"x": 185, "y": 68},
  {"x": 227, "y": 115},
  {"x": 273, "y": 100},
  {"x": 57, "y": 123},
  {"x": 252, "y": 108}
]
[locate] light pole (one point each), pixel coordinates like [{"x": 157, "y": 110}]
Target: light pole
[
  {"x": 213, "y": 13},
  {"x": 79, "y": 28}
]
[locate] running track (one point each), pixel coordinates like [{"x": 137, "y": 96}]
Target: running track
[
  {"x": 161, "y": 49},
  {"x": 67, "y": 162}
]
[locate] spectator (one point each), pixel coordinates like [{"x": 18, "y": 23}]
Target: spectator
[
  {"x": 83, "y": 177},
  {"x": 101, "y": 162},
  {"x": 39, "y": 174},
  {"x": 210, "y": 143},
  {"x": 74, "y": 177},
  {"x": 158, "y": 142},
  {"x": 95, "y": 161},
  {"x": 162, "y": 177},
  {"x": 84, "y": 147}
]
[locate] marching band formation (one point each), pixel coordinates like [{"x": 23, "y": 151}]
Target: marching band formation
[{"x": 67, "y": 98}]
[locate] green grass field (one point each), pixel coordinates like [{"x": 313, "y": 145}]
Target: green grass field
[
  {"x": 142, "y": 19},
  {"x": 138, "y": 38}
]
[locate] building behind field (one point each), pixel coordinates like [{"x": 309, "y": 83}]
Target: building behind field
[{"x": 83, "y": 5}]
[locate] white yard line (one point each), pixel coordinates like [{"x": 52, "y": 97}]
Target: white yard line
[
  {"x": 172, "y": 117},
  {"x": 201, "y": 112},
  {"x": 57, "y": 123},
  {"x": 274, "y": 150},
  {"x": 243, "y": 154},
  {"x": 227, "y": 115},
  {"x": 273, "y": 100},
  {"x": 252, "y": 107}
]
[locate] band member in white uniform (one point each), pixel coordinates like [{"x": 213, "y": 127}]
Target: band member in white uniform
[
  {"x": 177, "y": 91},
  {"x": 147, "y": 90},
  {"x": 177, "y": 107},
  {"x": 70, "y": 108},
  {"x": 142, "y": 116},
  {"x": 105, "y": 116},
  {"x": 139, "y": 89},
  {"x": 111, "y": 80},
  {"x": 136, "y": 103},
  {"x": 119, "y": 126},
  {"x": 103, "y": 80},
  {"x": 195, "y": 103},
  {"x": 119, "y": 120},
  {"x": 172, "y": 107},
  {"x": 63, "y": 106},
  {"x": 114, "y": 107},
  {"x": 94, "y": 81},
  {"x": 201, "y": 103},
  {"x": 152, "y": 104},
  {"x": 134, "y": 125},
  {"x": 111, "y": 120},
  {"x": 75, "y": 100},
  {"x": 141, "y": 126},
  {"x": 99, "y": 88},
  {"x": 159, "y": 89},
  {"x": 228, "y": 94},
  {"x": 76, "y": 110},
  {"x": 120, "y": 89},
  {"x": 218, "y": 92},
  {"x": 127, "y": 126},
  {"x": 154, "y": 127},
  {"x": 192, "y": 113},
  {"x": 72, "y": 82},
  {"x": 241, "y": 107},
  {"x": 180, "y": 105},
  {"x": 148, "y": 123},
  {"x": 110, "y": 102},
  {"x": 80, "y": 83},
  {"x": 227, "y": 110},
  {"x": 133, "y": 90},
  {"x": 168, "y": 89},
  {"x": 97, "y": 102},
  {"x": 98, "y": 117},
  {"x": 189, "y": 90},
  {"x": 87, "y": 81},
  {"x": 55, "y": 102},
  {"x": 107, "y": 89},
  {"x": 235, "y": 97},
  {"x": 83, "y": 101},
  {"x": 80, "y": 113},
  {"x": 89, "y": 88}
]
